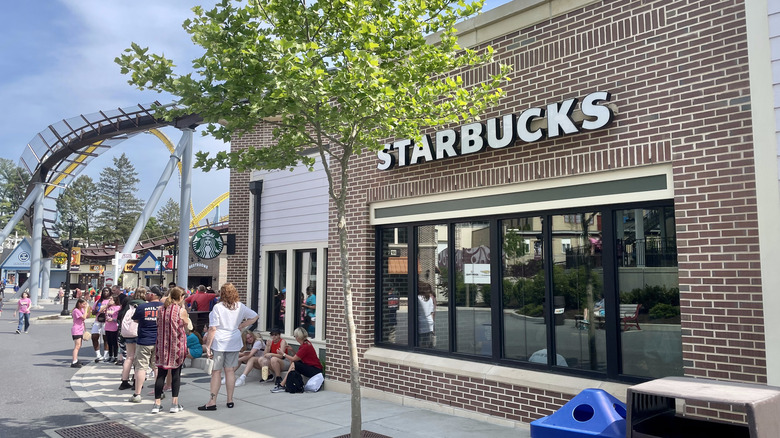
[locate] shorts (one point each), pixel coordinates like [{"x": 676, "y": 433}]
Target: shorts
[
  {"x": 306, "y": 370},
  {"x": 77, "y": 337},
  {"x": 144, "y": 357},
  {"x": 98, "y": 328},
  {"x": 225, "y": 359},
  {"x": 131, "y": 340}
]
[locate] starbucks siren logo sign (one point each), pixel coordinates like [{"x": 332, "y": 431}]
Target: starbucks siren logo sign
[{"x": 207, "y": 243}]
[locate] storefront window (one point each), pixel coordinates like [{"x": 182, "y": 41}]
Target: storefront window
[
  {"x": 578, "y": 292},
  {"x": 595, "y": 291},
  {"x": 432, "y": 287},
  {"x": 277, "y": 289},
  {"x": 650, "y": 333},
  {"x": 472, "y": 289},
  {"x": 306, "y": 290},
  {"x": 394, "y": 287},
  {"x": 525, "y": 335}
]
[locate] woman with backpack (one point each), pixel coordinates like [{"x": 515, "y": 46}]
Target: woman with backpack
[
  {"x": 305, "y": 362},
  {"x": 129, "y": 331}
]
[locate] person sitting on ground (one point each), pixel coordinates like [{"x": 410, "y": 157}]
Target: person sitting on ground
[
  {"x": 253, "y": 351},
  {"x": 194, "y": 345},
  {"x": 305, "y": 361},
  {"x": 273, "y": 356}
]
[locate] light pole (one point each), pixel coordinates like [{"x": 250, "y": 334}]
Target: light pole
[{"x": 70, "y": 222}]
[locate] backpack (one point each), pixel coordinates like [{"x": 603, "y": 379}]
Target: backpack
[
  {"x": 294, "y": 382},
  {"x": 129, "y": 325}
]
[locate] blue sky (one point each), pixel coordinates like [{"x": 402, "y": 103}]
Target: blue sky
[{"x": 57, "y": 61}]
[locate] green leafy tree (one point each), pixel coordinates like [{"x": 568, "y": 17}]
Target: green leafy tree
[
  {"x": 333, "y": 76},
  {"x": 118, "y": 208},
  {"x": 168, "y": 217},
  {"x": 152, "y": 229},
  {"x": 78, "y": 201},
  {"x": 13, "y": 187}
]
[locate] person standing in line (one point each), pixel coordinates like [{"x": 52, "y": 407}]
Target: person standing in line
[
  {"x": 112, "y": 328},
  {"x": 146, "y": 315},
  {"x": 226, "y": 322},
  {"x": 23, "y": 312},
  {"x": 131, "y": 338},
  {"x": 170, "y": 347},
  {"x": 79, "y": 314},
  {"x": 99, "y": 326}
]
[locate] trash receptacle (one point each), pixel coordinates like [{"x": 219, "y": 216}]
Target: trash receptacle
[{"x": 592, "y": 413}]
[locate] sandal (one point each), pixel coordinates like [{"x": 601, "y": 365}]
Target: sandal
[
  {"x": 230, "y": 404},
  {"x": 207, "y": 408}
]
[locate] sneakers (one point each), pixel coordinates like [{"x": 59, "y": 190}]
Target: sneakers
[
  {"x": 18, "y": 332},
  {"x": 25, "y": 332},
  {"x": 75, "y": 365},
  {"x": 176, "y": 408},
  {"x": 278, "y": 388},
  {"x": 156, "y": 409},
  {"x": 125, "y": 385},
  {"x": 136, "y": 398},
  {"x": 241, "y": 381},
  {"x": 223, "y": 380}
]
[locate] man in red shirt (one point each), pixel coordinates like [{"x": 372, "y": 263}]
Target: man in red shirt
[{"x": 201, "y": 300}]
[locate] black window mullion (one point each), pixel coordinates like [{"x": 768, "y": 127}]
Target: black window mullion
[
  {"x": 452, "y": 288},
  {"x": 378, "y": 282},
  {"x": 549, "y": 307},
  {"x": 411, "y": 271},
  {"x": 496, "y": 303},
  {"x": 611, "y": 299}
]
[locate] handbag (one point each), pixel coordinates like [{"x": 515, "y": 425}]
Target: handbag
[
  {"x": 101, "y": 317},
  {"x": 87, "y": 336}
]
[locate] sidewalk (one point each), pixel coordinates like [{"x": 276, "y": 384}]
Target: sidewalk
[{"x": 260, "y": 413}]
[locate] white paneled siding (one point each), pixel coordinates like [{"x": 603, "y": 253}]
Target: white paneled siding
[
  {"x": 294, "y": 205},
  {"x": 774, "y": 38}
]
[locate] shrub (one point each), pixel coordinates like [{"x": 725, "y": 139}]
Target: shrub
[{"x": 664, "y": 311}]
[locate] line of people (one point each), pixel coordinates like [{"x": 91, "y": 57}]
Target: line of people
[{"x": 157, "y": 335}]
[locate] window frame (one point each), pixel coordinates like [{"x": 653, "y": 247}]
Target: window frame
[{"x": 611, "y": 294}]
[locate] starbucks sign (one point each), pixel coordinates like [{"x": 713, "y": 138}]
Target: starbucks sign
[{"x": 207, "y": 243}]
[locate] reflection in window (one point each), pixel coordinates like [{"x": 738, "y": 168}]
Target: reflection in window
[
  {"x": 578, "y": 278},
  {"x": 306, "y": 289},
  {"x": 432, "y": 287},
  {"x": 472, "y": 288},
  {"x": 523, "y": 290},
  {"x": 649, "y": 292},
  {"x": 395, "y": 286},
  {"x": 277, "y": 289}
]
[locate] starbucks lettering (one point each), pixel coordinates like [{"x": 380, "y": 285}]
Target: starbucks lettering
[{"x": 500, "y": 132}]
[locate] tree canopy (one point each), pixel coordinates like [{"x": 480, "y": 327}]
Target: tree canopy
[{"x": 117, "y": 206}]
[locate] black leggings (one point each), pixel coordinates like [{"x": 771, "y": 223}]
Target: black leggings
[
  {"x": 112, "y": 339},
  {"x": 159, "y": 383}
]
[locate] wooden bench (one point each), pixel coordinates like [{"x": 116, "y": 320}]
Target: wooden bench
[{"x": 629, "y": 316}]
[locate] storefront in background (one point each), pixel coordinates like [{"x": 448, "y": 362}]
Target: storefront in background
[{"x": 598, "y": 228}]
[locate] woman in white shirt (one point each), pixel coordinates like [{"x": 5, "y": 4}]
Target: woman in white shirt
[{"x": 227, "y": 320}]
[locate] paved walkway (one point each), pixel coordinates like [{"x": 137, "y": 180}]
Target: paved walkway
[{"x": 260, "y": 413}]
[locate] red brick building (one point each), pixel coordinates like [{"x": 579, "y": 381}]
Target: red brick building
[{"x": 599, "y": 228}]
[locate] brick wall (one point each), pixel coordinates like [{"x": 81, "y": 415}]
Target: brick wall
[
  {"x": 678, "y": 74},
  {"x": 677, "y": 71}
]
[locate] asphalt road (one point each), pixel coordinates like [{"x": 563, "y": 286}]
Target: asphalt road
[{"x": 35, "y": 373}]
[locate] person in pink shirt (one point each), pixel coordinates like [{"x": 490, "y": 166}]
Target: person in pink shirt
[
  {"x": 112, "y": 328},
  {"x": 80, "y": 313},
  {"x": 23, "y": 312}
]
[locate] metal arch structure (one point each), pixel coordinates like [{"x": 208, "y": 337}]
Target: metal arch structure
[{"x": 56, "y": 155}]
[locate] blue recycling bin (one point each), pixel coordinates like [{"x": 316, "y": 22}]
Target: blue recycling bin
[{"x": 592, "y": 413}]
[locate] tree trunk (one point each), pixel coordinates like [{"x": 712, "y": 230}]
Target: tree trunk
[{"x": 354, "y": 366}]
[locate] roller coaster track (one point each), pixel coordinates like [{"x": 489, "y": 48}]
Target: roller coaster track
[
  {"x": 56, "y": 155},
  {"x": 196, "y": 218}
]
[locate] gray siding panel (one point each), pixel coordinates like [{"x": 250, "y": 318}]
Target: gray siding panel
[{"x": 294, "y": 205}]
